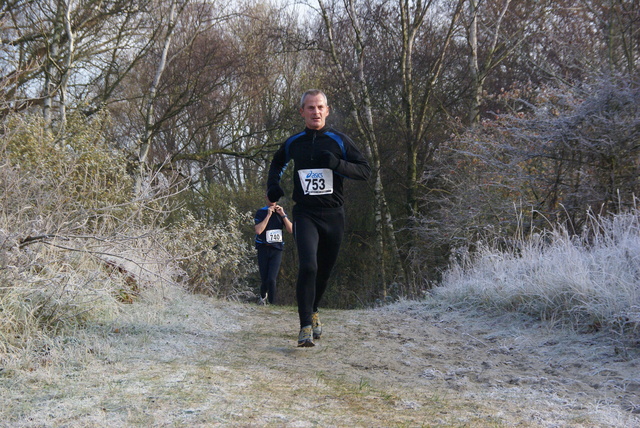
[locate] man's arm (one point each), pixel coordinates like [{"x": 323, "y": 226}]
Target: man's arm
[
  {"x": 262, "y": 225},
  {"x": 355, "y": 166},
  {"x": 285, "y": 219},
  {"x": 278, "y": 163},
  {"x": 277, "y": 166}
]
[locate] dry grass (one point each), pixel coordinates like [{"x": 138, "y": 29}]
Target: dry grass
[
  {"x": 175, "y": 359},
  {"x": 75, "y": 243},
  {"x": 94, "y": 332},
  {"x": 588, "y": 282}
]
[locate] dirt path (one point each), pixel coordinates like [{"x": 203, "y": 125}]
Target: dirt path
[{"x": 198, "y": 362}]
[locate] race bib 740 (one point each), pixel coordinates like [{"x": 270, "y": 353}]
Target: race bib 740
[{"x": 274, "y": 235}]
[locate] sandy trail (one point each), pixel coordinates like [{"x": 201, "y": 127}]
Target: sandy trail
[{"x": 194, "y": 361}]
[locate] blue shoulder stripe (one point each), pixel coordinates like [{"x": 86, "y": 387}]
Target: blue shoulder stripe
[
  {"x": 338, "y": 139},
  {"x": 288, "y": 143},
  {"x": 256, "y": 219}
]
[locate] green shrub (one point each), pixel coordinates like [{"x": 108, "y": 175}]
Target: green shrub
[
  {"x": 64, "y": 218},
  {"x": 77, "y": 174},
  {"x": 216, "y": 259}
]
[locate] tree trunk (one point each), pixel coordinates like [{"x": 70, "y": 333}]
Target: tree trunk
[
  {"x": 145, "y": 140},
  {"x": 408, "y": 36},
  {"x": 64, "y": 78},
  {"x": 364, "y": 120},
  {"x": 479, "y": 73},
  {"x": 476, "y": 84},
  {"x": 51, "y": 70},
  {"x": 412, "y": 18}
]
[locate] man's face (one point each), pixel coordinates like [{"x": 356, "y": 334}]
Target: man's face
[{"x": 315, "y": 111}]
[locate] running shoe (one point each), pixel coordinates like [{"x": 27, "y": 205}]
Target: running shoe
[
  {"x": 316, "y": 325},
  {"x": 262, "y": 301},
  {"x": 305, "y": 338}
]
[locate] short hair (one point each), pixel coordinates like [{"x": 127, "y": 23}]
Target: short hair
[{"x": 313, "y": 92}]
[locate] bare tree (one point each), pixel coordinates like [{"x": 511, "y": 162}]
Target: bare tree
[
  {"x": 53, "y": 51},
  {"x": 620, "y": 23},
  {"x": 149, "y": 122},
  {"x": 575, "y": 150},
  {"x": 417, "y": 98},
  {"x": 492, "y": 59},
  {"x": 217, "y": 106},
  {"x": 361, "y": 107}
]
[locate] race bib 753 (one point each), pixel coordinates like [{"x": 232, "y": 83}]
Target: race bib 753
[{"x": 317, "y": 181}]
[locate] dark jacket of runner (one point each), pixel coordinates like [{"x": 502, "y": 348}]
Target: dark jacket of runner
[
  {"x": 275, "y": 222},
  {"x": 308, "y": 151}
]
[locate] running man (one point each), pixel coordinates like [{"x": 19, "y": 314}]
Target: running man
[
  {"x": 323, "y": 158},
  {"x": 270, "y": 243}
]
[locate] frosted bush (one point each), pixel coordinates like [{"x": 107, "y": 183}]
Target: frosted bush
[
  {"x": 589, "y": 281},
  {"x": 72, "y": 247},
  {"x": 216, "y": 259}
]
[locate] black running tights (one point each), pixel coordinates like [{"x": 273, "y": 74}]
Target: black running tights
[
  {"x": 318, "y": 235},
  {"x": 269, "y": 259}
]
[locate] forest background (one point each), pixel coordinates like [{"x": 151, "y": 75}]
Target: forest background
[{"x": 136, "y": 138}]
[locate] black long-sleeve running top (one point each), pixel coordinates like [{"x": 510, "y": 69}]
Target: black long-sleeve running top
[{"x": 315, "y": 184}]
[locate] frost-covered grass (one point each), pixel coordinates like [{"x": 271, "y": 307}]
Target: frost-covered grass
[
  {"x": 591, "y": 281},
  {"x": 76, "y": 245}
]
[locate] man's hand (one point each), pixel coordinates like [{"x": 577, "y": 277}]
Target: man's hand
[
  {"x": 328, "y": 159},
  {"x": 280, "y": 211},
  {"x": 274, "y": 193}
]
